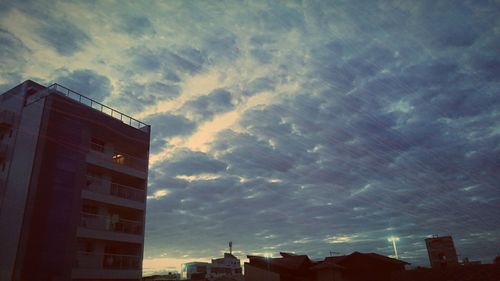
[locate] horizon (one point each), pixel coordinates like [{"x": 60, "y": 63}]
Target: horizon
[{"x": 294, "y": 126}]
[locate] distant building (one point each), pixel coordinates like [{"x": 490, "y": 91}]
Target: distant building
[
  {"x": 194, "y": 270},
  {"x": 73, "y": 177},
  {"x": 354, "y": 267},
  {"x": 163, "y": 277},
  {"x": 228, "y": 266},
  {"x": 496, "y": 260},
  {"x": 287, "y": 267},
  {"x": 441, "y": 252}
]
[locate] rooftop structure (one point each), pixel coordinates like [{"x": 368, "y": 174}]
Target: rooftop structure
[
  {"x": 228, "y": 266},
  {"x": 441, "y": 252}
]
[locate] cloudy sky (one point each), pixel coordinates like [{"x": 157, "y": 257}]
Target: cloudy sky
[{"x": 304, "y": 126}]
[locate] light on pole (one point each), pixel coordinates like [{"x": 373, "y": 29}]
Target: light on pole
[{"x": 393, "y": 239}]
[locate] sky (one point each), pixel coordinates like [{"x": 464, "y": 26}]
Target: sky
[{"x": 297, "y": 126}]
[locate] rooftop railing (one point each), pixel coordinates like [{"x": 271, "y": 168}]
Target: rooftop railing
[{"x": 88, "y": 102}]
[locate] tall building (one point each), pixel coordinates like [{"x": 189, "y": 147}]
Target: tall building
[
  {"x": 73, "y": 177},
  {"x": 441, "y": 252}
]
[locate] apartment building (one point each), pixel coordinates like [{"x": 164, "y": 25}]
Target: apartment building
[{"x": 73, "y": 177}]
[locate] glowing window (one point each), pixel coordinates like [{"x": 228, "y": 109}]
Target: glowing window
[{"x": 119, "y": 159}]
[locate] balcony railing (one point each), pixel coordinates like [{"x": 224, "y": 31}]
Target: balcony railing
[
  {"x": 90, "y": 260},
  {"x": 114, "y": 189},
  {"x": 120, "y": 158},
  {"x": 88, "y": 102},
  {"x": 110, "y": 223}
]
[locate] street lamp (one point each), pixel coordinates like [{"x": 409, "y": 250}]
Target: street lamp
[
  {"x": 268, "y": 259},
  {"x": 393, "y": 239}
]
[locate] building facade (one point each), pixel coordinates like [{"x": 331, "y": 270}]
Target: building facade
[
  {"x": 441, "y": 252},
  {"x": 72, "y": 187}
]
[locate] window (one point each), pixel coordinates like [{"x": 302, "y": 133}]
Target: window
[
  {"x": 97, "y": 145},
  {"x": 119, "y": 159}
]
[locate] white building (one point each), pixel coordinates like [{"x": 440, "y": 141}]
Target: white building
[{"x": 228, "y": 266}]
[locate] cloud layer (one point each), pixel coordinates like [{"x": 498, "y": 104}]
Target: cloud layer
[{"x": 318, "y": 126}]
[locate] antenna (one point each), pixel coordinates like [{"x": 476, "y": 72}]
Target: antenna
[{"x": 231, "y": 247}]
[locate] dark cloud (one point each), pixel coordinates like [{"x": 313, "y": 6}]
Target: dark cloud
[
  {"x": 132, "y": 97},
  {"x": 454, "y": 26},
  {"x": 136, "y": 96},
  {"x": 250, "y": 157},
  {"x": 86, "y": 82},
  {"x": 164, "y": 91},
  {"x": 188, "y": 163},
  {"x": 170, "y": 62},
  {"x": 63, "y": 36},
  {"x": 165, "y": 126},
  {"x": 144, "y": 59},
  {"x": 136, "y": 26},
  {"x": 221, "y": 46},
  {"x": 262, "y": 56},
  {"x": 206, "y": 107}
]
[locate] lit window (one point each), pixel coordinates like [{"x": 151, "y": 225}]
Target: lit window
[{"x": 119, "y": 159}]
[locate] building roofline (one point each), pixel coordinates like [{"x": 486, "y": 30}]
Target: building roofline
[{"x": 75, "y": 96}]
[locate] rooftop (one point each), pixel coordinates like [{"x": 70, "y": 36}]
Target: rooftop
[{"x": 56, "y": 88}]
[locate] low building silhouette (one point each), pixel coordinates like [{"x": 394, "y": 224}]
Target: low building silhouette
[
  {"x": 353, "y": 267},
  {"x": 475, "y": 272},
  {"x": 163, "y": 277}
]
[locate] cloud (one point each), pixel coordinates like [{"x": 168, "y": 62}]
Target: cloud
[
  {"x": 186, "y": 162},
  {"x": 63, "y": 36},
  {"x": 86, "y": 82},
  {"x": 354, "y": 121},
  {"x": 136, "y": 26},
  {"x": 207, "y": 106},
  {"x": 13, "y": 53},
  {"x": 259, "y": 85},
  {"x": 165, "y": 126},
  {"x": 164, "y": 91}
]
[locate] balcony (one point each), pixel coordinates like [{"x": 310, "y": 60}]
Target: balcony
[
  {"x": 110, "y": 228},
  {"x": 106, "y": 265},
  {"x": 107, "y": 261},
  {"x": 113, "y": 193},
  {"x": 118, "y": 161},
  {"x": 110, "y": 223}
]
